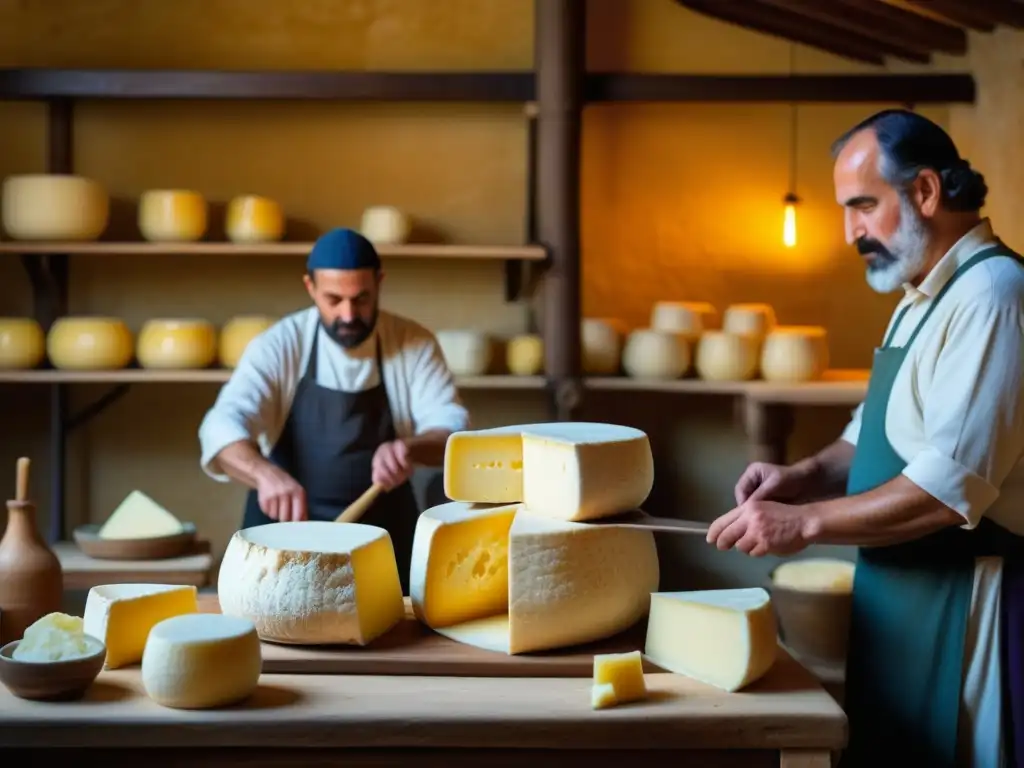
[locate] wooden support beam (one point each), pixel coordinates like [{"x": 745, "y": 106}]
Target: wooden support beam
[
  {"x": 916, "y": 29},
  {"x": 973, "y": 15}
]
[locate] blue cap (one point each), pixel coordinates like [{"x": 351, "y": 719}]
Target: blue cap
[{"x": 342, "y": 249}]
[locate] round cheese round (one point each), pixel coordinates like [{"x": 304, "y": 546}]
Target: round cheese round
[
  {"x": 177, "y": 344},
  {"x": 751, "y": 319},
  {"x": 89, "y": 343},
  {"x": 821, "y": 574},
  {"x": 601, "y": 339},
  {"x": 172, "y": 215},
  {"x": 651, "y": 354},
  {"x": 201, "y": 661},
  {"x": 467, "y": 352},
  {"x": 54, "y": 207},
  {"x": 794, "y": 354},
  {"x": 724, "y": 356},
  {"x": 312, "y": 582},
  {"x": 236, "y": 335},
  {"x": 385, "y": 225},
  {"x": 254, "y": 219},
  {"x": 524, "y": 355},
  {"x": 689, "y": 318},
  {"x": 22, "y": 343}
]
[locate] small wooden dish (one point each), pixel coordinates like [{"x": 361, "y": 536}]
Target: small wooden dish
[
  {"x": 50, "y": 680},
  {"x": 153, "y": 548}
]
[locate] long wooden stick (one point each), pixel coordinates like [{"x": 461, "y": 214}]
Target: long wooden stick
[
  {"x": 358, "y": 508},
  {"x": 21, "y": 485}
]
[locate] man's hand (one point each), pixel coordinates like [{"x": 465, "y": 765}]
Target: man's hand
[
  {"x": 281, "y": 498},
  {"x": 760, "y": 527},
  {"x": 761, "y": 480},
  {"x": 392, "y": 464}
]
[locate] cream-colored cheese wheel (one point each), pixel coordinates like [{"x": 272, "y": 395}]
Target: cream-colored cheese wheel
[
  {"x": 601, "y": 339},
  {"x": 177, "y": 343},
  {"x": 236, "y": 335},
  {"x": 524, "y": 355},
  {"x": 172, "y": 215},
  {"x": 254, "y": 219},
  {"x": 795, "y": 353},
  {"x": 89, "y": 343},
  {"x": 819, "y": 574},
  {"x": 723, "y": 356},
  {"x": 54, "y": 207},
  {"x": 754, "y": 319},
  {"x": 690, "y": 318},
  {"x": 467, "y": 352},
  {"x": 22, "y": 343},
  {"x": 385, "y": 225},
  {"x": 651, "y": 354}
]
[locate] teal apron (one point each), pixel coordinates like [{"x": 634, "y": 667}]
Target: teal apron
[{"x": 911, "y": 601}]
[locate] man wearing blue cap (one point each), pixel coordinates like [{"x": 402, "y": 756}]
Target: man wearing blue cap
[{"x": 332, "y": 399}]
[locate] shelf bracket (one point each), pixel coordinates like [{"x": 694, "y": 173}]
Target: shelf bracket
[{"x": 96, "y": 407}]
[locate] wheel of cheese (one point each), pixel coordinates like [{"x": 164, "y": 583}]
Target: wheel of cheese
[
  {"x": 795, "y": 353},
  {"x": 524, "y": 355},
  {"x": 751, "y": 319},
  {"x": 177, "y": 344},
  {"x": 22, "y": 343},
  {"x": 54, "y": 207},
  {"x": 651, "y": 354},
  {"x": 172, "y": 215},
  {"x": 89, "y": 343},
  {"x": 201, "y": 661},
  {"x": 690, "y": 318},
  {"x": 601, "y": 339},
  {"x": 724, "y": 356},
  {"x": 253, "y": 219},
  {"x": 818, "y": 574},
  {"x": 385, "y": 225},
  {"x": 236, "y": 335},
  {"x": 312, "y": 582},
  {"x": 467, "y": 352}
]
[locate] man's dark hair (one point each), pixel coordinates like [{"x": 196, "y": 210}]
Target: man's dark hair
[{"x": 909, "y": 144}]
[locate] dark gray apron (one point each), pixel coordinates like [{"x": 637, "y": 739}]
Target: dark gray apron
[{"x": 327, "y": 445}]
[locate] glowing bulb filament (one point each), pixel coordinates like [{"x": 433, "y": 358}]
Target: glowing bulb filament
[{"x": 789, "y": 226}]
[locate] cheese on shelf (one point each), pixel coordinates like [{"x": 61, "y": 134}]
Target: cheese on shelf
[
  {"x": 121, "y": 615},
  {"x": 624, "y": 672},
  {"x": 22, "y": 343},
  {"x": 59, "y": 207},
  {"x": 236, "y": 335},
  {"x": 794, "y": 353},
  {"x": 524, "y": 355},
  {"x": 201, "y": 661},
  {"x": 55, "y": 637},
  {"x": 724, "y": 356},
  {"x": 566, "y": 470},
  {"x": 312, "y": 582},
  {"x": 726, "y": 638},
  {"x": 253, "y": 219},
  {"x": 177, "y": 344},
  {"x": 467, "y": 352},
  {"x": 816, "y": 575},
  {"x": 172, "y": 215},
  {"x": 601, "y": 341},
  {"x": 555, "y": 584},
  {"x": 89, "y": 343},
  {"x": 651, "y": 354},
  {"x": 752, "y": 319},
  {"x": 385, "y": 225},
  {"x": 689, "y": 318},
  {"x": 139, "y": 517},
  {"x": 602, "y": 696}
]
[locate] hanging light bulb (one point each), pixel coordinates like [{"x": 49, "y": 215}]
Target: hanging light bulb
[{"x": 790, "y": 202}]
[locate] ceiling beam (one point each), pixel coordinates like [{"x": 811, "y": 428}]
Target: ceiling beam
[
  {"x": 932, "y": 34},
  {"x": 958, "y": 12},
  {"x": 769, "y": 21},
  {"x": 839, "y": 21},
  {"x": 1008, "y": 12}
]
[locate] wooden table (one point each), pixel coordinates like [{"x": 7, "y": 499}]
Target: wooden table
[
  {"x": 84, "y": 572},
  {"x": 785, "y": 719}
]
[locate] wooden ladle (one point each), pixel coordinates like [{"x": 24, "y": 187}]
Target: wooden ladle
[{"x": 358, "y": 508}]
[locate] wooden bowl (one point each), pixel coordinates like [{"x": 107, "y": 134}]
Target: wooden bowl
[
  {"x": 815, "y": 625},
  {"x": 154, "y": 548},
  {"x": 50, "y": 680}
]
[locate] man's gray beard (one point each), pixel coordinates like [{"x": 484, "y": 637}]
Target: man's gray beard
[{"x": 910, "y": 247}]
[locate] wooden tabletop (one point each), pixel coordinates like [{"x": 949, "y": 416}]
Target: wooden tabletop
[
  {"x": 785, "y": 710},
  {"x": 84, "y": 572}
]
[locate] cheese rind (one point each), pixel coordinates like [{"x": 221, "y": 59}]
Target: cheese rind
[
  {"x": 139, "y": 517},
  {"x": 726, "y": 638},
  {"x": 816, "y": 575},
  {"x": 121, "y": 615},
  {"x": 624, "y": 672},
  {"x": 313, "y": 582},
  {"x": 201, "y": 661}
]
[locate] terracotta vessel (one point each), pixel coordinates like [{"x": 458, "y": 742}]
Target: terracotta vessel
[{"x": 31, "y": 580}]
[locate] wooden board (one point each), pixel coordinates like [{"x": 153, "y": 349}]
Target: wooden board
[
  {"x": 84, "y": 572},
  {"x": 413, "y": 649}
]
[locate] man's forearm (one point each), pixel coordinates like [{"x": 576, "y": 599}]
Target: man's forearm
[
  {"x": 829, "y": 469},
  {"x": 895, "y": 512},
  {"x": 427, "y": 448},
  {"x": 242, "y": 462}
]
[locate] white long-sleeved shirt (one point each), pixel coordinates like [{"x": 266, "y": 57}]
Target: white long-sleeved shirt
[
  {"x": 956, "y": 416},
  {"x": 255, "y": 402}
]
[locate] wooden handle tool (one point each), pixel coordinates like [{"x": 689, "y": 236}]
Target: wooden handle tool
[
  {"x": 21, "y": 482},
  {"x": 358, "y": 508}
]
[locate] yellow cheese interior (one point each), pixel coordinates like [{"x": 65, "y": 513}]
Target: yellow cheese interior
[
  {"x": 484, "y": 467},
  {"x": 602, "y": 696},
  {"x": 139, "y": 517},
  {"x": 816, "y": 575},
  {"x": 379, "y": 601},
  {"x": 624, "y": 672},
  {"x": 725, "y": 638}
]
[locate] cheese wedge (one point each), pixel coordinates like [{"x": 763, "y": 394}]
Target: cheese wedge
[
  {"x": 624, "y": 672},
  {"x": 572, "y": 471},
  {"x": 139, "y": 517},
  {"x": 121, "y": 615},
  {"x": 201, "y": 661},
  {"x": 550, "y": 584},
  {"x": 313, "y": 582},
  {"x": 725, "y": 637}
]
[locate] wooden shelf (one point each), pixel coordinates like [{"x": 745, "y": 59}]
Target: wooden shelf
[
  {"x": 405, "y": 251},
  {"x": 696, "y": 386},
  {"x": 84, "y": 572}
]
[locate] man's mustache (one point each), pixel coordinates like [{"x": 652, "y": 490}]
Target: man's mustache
[
  {"x": 867, "y": 245},
  {"x": 355, "y": 325}
]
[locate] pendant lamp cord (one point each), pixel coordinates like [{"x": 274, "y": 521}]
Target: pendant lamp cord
[{"x": 793, "y": 126}]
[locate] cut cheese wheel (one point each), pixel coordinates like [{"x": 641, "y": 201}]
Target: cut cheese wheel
[
  {"x": 726, "y": 637},
  {"x": 121, "y": 615},
  {"x": 22, "y": 343},
  {"x": 753, "y": 319},
  {"x": 236, "y": 335},
  {"x": 524, "y": 355},
  {"x": 467, "y": 353},
  {"x": 201, "y": 661},
  {"x": 312, "y": 582},
  {"x": 816, "y": 575},
  {"x": 139, "y": 517},
  {"x": 651, "y": 354},
  {"x": 89, "y": 343},
  {"x": 601, "y": 340},
  {"x": 690, "y": 318},
  {"x": 546, "y": 584},
  {"x": 794, "y": 354},
  {"x": 385, "y": 225},
  {"x": 253, "y": 219},
  {"x": 723, "y": 356},
  {"x": 624, "y": 672},
  {"x": 172, "y": 215},
  {"x": 54, "y": 207},
  {"x": 564, "y": 470},
  {"x": 177, "y": 344}
]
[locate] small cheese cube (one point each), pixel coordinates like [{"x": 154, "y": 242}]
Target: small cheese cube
[
  {"x": 602, "y": 696},
  {"x": 625, "y": 673}
]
